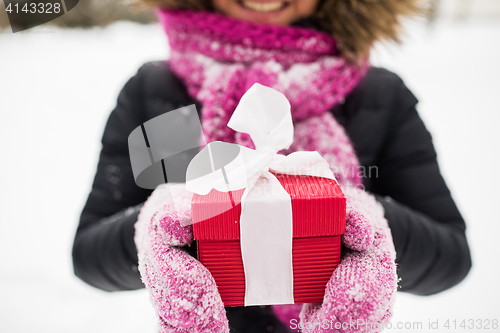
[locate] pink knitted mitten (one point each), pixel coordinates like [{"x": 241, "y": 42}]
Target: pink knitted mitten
[
  {"x": 361, "y": 291},
  {"x": 182, "y": 290}
]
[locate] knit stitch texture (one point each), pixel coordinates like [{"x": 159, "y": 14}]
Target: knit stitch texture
[{"x": 218, "y": 59}]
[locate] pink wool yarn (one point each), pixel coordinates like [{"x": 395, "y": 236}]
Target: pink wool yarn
[
  {"x": 217, "y": 68},
  {"x": 220, "y": 58}
]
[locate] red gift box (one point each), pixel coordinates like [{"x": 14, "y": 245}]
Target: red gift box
[{"x": 319, "y": 214}]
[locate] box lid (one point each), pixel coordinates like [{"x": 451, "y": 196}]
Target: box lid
[{"x": 318, "y": 209}]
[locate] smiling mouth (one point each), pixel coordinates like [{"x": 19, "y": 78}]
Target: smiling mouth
[{"x": 264, "y": 7}]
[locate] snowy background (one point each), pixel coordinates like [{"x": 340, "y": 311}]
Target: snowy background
[{"x": 57, "y": 88}]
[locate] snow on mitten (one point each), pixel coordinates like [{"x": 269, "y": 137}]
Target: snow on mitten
[
  {"x": 361, "y": 291},
  {"x": 182, "y": 290}
]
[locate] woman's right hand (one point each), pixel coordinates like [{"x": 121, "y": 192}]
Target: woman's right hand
[{"x": 182, "y": 290}]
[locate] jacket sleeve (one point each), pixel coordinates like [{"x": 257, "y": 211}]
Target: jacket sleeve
[
  {"x": 104, "y": 253},
  {"x": 428, "y": 230}
]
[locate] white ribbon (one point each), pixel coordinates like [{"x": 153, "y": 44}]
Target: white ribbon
[{"x": 266, "y": 216}]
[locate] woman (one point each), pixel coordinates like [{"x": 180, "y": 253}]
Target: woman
[{"x": 367, "y": 111}]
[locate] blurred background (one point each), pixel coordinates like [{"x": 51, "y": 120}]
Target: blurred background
[{"x": 60, "y": 81}]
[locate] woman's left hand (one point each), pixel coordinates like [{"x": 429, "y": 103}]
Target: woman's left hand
[{"x": 361, "y": 291}]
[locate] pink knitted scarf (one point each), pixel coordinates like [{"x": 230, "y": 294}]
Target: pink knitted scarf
[{"x": 220, "y": 58}]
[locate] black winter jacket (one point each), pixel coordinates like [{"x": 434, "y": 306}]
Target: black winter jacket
[{"x": 395, "y": 152}]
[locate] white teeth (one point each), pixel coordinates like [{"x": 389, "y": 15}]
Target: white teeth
[{"x": 263, "y": 6}]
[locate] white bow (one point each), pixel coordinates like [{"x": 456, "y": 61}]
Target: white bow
[
  {"x": 264, "y": 114},
  {"x": 266, "y": 216}
]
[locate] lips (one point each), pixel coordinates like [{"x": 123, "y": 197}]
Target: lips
[{"x": 263, "y": 7}]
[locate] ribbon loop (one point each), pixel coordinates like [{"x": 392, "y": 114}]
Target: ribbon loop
[
  {"x": 264, "y": 114},
  {"x": 266, "y": 216}
]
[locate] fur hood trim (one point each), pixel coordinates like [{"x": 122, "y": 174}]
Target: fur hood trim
[
  {"x": 358, "y": 24},
  {"x": 355, "y": 24}
]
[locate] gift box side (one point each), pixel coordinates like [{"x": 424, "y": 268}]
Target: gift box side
[
  {"x": 223, "y": 259},
  {"x": 314, "y": 260}
]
